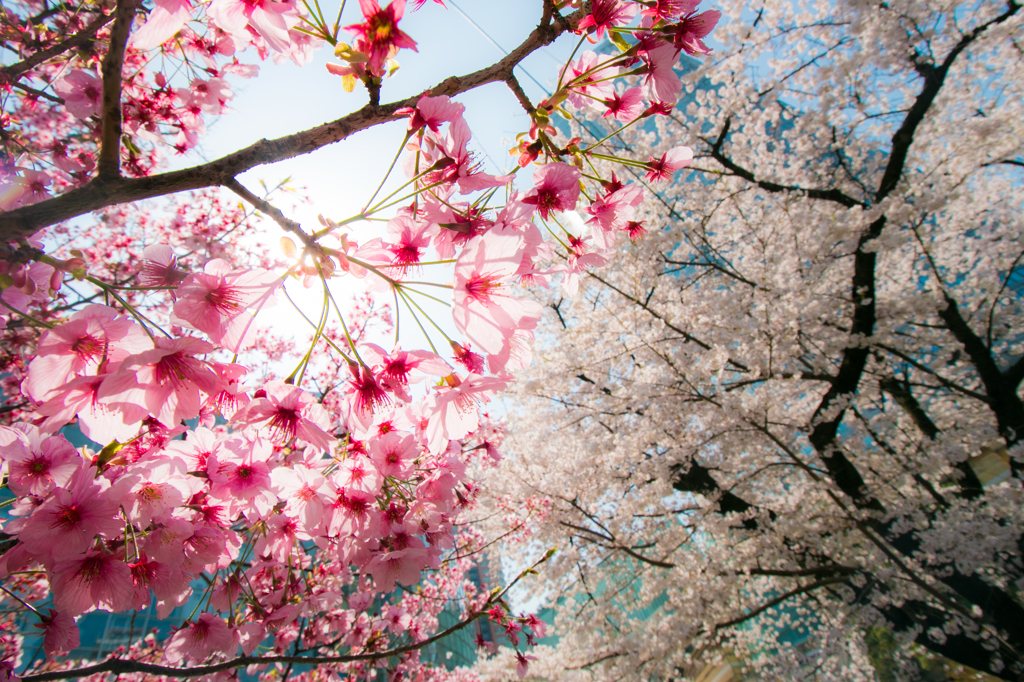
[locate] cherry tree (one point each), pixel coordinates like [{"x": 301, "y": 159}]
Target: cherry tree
[
  {"x": 789, "y": 421},
  {"x": 308, "y": 499}
]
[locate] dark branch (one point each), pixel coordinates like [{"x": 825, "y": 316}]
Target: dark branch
[
  {"x": 109, "y": 163},
  {"x": 812, "y": 193}
]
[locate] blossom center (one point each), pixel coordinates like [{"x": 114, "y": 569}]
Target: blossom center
[
  {"x": 223, "y": 299},
  {"x": 87, "y": 347},
  {"x": 480, "y": 288}
]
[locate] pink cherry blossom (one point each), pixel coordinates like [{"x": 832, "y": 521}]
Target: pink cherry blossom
[
  {"x": 167, "y": 17},
  {"x": 606, "y": 14},
  {"x": 60, "y": 633},
  {"x": 165, "y": 382},
  {"x": 661, "y": 80},
  {"x": 591, "y": 79},
  {"x": 667, "y": 10},
  {"x": 692, "y": 30},
  {"x": 380, "y": 33},
  {"x": 198, "y": 640},
  {"x": 167, "y": 583},
  {"x": 91, "y": 336},
  {"x": 455, "y": 412},
  {"x": 483, "y": 308},
  {"x": 388, "y": 568},
  {"x": 286, "y": 412},
  {"x": 393, "y": 453},
  {"x": 95, "y": 580},
  {"x": 65, "y": 525},
  {"x": 358, "y": 475},
  {"x": 270, "y": 20},
  {"x": 159, "y": 267},
  {"x": 36, "y": 464},
  {"x": 305, "y": 491},
  {"x": 431, "y": 112},
  {"x": 625, "y": 107},
  {"x": 216, "y": 301},
  {"x": 671, "y": 161},
  {"x": 82, "y": 93},
  {"x": 556, "y": 187}
]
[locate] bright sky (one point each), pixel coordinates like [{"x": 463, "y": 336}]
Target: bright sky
[{"x": 339, "y": 179}]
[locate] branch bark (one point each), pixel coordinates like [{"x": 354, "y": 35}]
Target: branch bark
[{"x": 109, "y": 163}]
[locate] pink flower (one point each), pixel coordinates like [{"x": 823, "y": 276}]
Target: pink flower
[
  {"x": 671, "y": 161},
  {"x": 556, "y": 187},
  {"x": 591, "y": 82},
  {"x": 606, "y": 14},
  {"x": 455, "y": 413},
  {"x": 168, "y": 583},
  {"x": 278, "y": 539},
  {"x": 160, "y": 487},
  {"x": 366, "y": 393},
  {"x": 357, "y": 475},
  {"x": 215, "y": 302},
  {"x": 462, "y": 168},
  {"x": 611, "y": 212},
  {"x": 159, "y": 267},
  {"x": 522, "y": 663},
  {"x": 35, "y": 464},
  {"x": 94, "y": 335},
  {"x": 271, "y": 20},
  {"x": 82, "y": 93},
  {"x": 393, "y": 454},
  {"x": 667, "y": 10},
  {"x": 431, "y": 112},
  {"x": 482, "y": 307},
  {"x": 353, "y": 513},
  {"x": 411, "y": 240},
  {"x": 65, "y": 525},
  {"x": 164, "y": 21},
  {"x": 93, "y": 581},
  {"x": 380, "y": 33},
  {"x": 693, "y": 29},
  {"x": 165, "y": 382},
  {"x": 402, "y": 566},
  {"x": 288, "y": 412},
  {"x": 661, "y": 79},
  {"x": 626, "y": 107},
  {"x": 199, "y": 640},
  {"x": 60, "y": 633},
  {"x": 307, "y": 494},
  {"x": 402, "y": 367},
  {"x": 241, "y": 479}
]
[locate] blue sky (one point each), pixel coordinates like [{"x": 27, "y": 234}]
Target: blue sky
[{"x": 339, "y": 179}]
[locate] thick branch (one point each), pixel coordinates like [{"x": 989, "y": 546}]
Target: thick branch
[
  {"x": 102, "y": 192},
  {"x": 826, "y": 194},
  {"x": 934, "y": 77},
  {"x": 109, "y": 164},
  {"x": 1001, "y": 391},
  {"x": 121, "y": 666},
  {"x": 843, "y": 472}
]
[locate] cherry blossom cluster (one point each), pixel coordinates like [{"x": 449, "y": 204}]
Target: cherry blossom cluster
[{"x": 315, "y": 512}]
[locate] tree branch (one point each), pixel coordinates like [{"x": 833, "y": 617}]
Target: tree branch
[
  {"x": 105, "y": 191},
  {"x": 824, "y": 194},
  {"x": 109, "y": 163}
]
